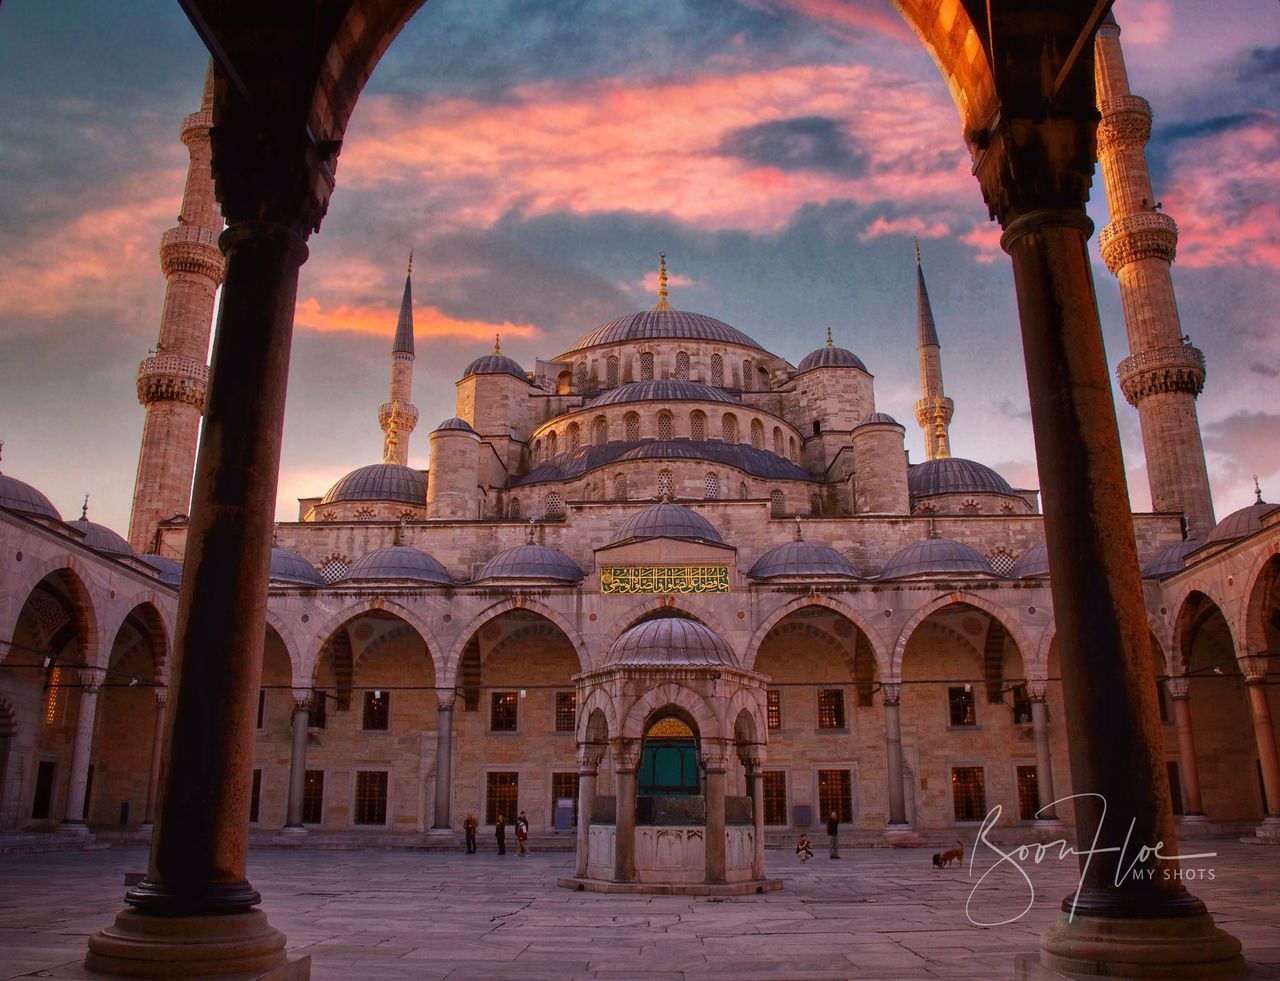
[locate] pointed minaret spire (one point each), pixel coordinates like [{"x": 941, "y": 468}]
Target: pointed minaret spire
[
  {"x": 1257, "y": 490},
  {"x": 934, "y": 409},
  {"x": 84, "y": 508},
  {"x": 398, "y": 415},
  {"x": 662, "y": 283},
  {"x": 830, "y": 343}
]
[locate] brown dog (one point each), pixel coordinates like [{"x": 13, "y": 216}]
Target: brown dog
[{"x": 950, "y": 855}]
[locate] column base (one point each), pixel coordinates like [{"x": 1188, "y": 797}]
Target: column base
[
  {"x": 1198, "y": 818},
  {"x": 1049, "y": 824},
  {"x": 293, "y": 829},
  {"x": 441, "y": 833},
  {"x": 1269, "y": 830},
  {"x": 242, "y": 945},
  {"x": 1098, "y": 947},
  {"x": 73, "y": 828}
]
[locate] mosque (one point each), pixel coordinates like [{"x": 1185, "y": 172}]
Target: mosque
[{"x": 665, "y": 591}]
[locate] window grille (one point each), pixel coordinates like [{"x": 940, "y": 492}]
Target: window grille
[
  {"x": 334, "y": 568},
  {"x": 968, "y": 793},
  {"x": 777, "y": 441},
  {"x": 513, "y": 509},
  {"x": 698, "y": 425},
  {"x": 371, "y": 797},
  {"x": 961, "y": 710},
  {"x": 580, "y": 375},
  {"x": 835, "y": 793},
  {"x": 555, "y": 505},
  {"x": 1001, "y": 561},
  {"x": 757, "y": 434},
  {"x": 717, "y": 371},
  {"x": 611, "y": 371},
  {"x": 666, "y": 484},
  {"x": 777, "y": 504},
  {"x": 729, "y": 428},
  {"x": 1028, "y": 793},
  {"x": 600, "y": 436},
  {"x": 773, "y": 708},
  {"x": 566, "y": 711},
  {"x": 746, "y": 375},
  {"x": 711, "y": 487},
  {"x": 774, "y": 791},
  {"x": 504, "y": 711},
  {"x": 831, "y": 708},
  {"x": 664, "y": 425},
  {"x": 575, "y": 436},
  {"x": 377, "y": 711},
  {"x": 632, "y": 424},
  {"x": 646, "y": 366},
  {"x": 503, "y": 797},
  {"x": 682, "y": 365},
  {"x": 620, "y": 487}
]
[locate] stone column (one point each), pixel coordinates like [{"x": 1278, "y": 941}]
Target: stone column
[
  {"x": 1038, "y": 691},
  {"x": 625, "y": 758},
  {"x": 157, "y": 754},
  {"x": 1255, "y": 681},
  {"x": 1180, "y": 691},
  {"x": 82, "y": 751},
  {"x": 755, "y": 787},
  {"x": 444, "y": 759},
  {"x": 715, "y": 793},
  {"x": 588, "y": 763},
  {"x": 298, "y": 761},
  {"x": 892, "y": 696}
]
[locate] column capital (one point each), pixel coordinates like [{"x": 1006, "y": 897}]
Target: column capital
[
  {"x": 1178, "y": 688},
  {"x": 162, "y": 696},
  {"x": 891, "y": 692},
  {"x": 445, "y": 699},
  {"x": 1025, "y": 164},
  {"x": 589, "y": 755},
  {"x": 625, "y": 752},
  {"x": 1254, "y": 667},
  {"x": 303, "y": 699},
  {"x": 91, "y": 679},
  {"x": 1037, "y": 689}
]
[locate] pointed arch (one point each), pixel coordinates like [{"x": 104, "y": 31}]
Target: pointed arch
[
  {"x": 320, "y": 637},
  {"x": 1000, "y": 615},
  {"x": 1262, "y": 578},
  {"x": 856, "y": 617},
  {"x": 62, "y": 566},
  {"x": 710, "y": 725},
  {"x": 596, "y": 701},
  {"x": 157, "y": 634},
  {"x": 1192, "y": 612},
  {"x": 447, "y": 670}
]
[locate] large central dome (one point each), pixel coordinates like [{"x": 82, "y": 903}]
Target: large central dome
[{"x": 655, "y": 325}]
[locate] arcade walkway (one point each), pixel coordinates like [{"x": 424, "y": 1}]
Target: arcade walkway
[{"x": 877, "y": 914}]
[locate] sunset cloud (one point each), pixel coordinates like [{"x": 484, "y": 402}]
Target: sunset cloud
[{"x": 428, "y": 322}]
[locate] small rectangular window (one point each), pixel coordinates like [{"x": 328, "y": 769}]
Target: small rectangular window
[
  {"x": 371, "y": 797},
  {"x": 566, "y": 711},
  {"x": 43, "y": 799},
  {"x": 262, "y": 706},
  {"x": 313, "y": 797},
  {"x": 503, "y": 713},
  {"x": 377, "y": 710},
  {"x": 960, "y": 703},
  {"x": 835, "y": 793},
  {"x": 773, "y": 709},
  {"x": 255, "y": 796},
  {"x": 1028, "y": 793},
  {"x": 319, "y": 711},
  {"x": 774, "y": 791},
  {"x": 503, "y": 796},
  {"x": 831, "y": 708},
  {"x": 968, "y": 793}
]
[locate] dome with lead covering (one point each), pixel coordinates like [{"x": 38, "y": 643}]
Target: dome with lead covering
[
  {"x": 662, "y": 390},
  {"x": 671, "y": 641},
  {"x": 169, "y": 570},
  {"x": 531, "y": 562},
  {"x": 495, "y": 364},
  {"x": 100, "y": 538},
  {"x": 454, "y": 424},
  {"x": 830, "y": 357},
  {"x": 17, "y": 496},
  {"x": 380, "y": 482},
  {"x": 1031, "y": 564},
  {"x": 399, "y": 562},
  {"x": 659, "y": 325},
  {"x": 882, "y": 419},
  {"x": 1242, "y": 523},
  {"x": 954, "y": 475},
  {"x": 666, "y": 520},
  {"x": 1170, "y": 559},
  {"x": 801, "y": 558},
  {"x": 935, "y": 557},
  {"x": 292, "y": 569}
]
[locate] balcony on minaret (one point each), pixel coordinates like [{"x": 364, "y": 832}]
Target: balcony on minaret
[
  {"x": 172, "y": 378},
  {"x": 1179, "y": 368},
  {"x": 192, "y": 249},
  {"x": 1150, "y": 234}
]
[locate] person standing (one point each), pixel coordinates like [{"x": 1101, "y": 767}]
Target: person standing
[
  {"x": 469, "y": 827},
  {"x": 522, "y": 834},
  {"x": 833, "y": 834},
  {"x": 500, "y": 832}
]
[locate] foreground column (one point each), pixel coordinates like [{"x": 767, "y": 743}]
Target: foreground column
[
  {"x": 1180, "y": 692},
  {"x": 194, "y": 910},
  {"x": 587, "y": 766},
  {"x": 1038, "y": 691},
  {"x": 625, "y": 758},
  {"x": 298, "y": 761},
  {"x": 82, "y": 750},
  {"x": 157, "y": 754},
  {"x": 444, "y": 759},
  {"x": 892, "y": 695},
  {"x": 1255, "y": 682}
]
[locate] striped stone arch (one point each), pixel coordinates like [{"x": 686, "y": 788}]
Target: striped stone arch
[
  {"x": 856, "y": 617},
  {"x": 320, "y": 636},
  {"x": 691, "y": 606},
  {"x": 23, "y": 578},
  {"x": 159, "y": 634},
  {"x": 752, "y": 703},
  {"x": 1182, "y": 624},
  {"x": 1262, "y": 573},
  {"x": 1038, "y": 664},
  {"x": 88, "y": 625},
  {"x": 300, "y": 671},
  {"x": 597, "y": 700},
  {"x": 710, "y": 725},
  {"x": 1012, "y": 627},
  {"x": 446, "y": 673}
]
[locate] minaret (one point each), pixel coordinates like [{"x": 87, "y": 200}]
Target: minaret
[
  {"x": 934, "y": 409},
  {"x": 398, "y": 415},
  {"x": 172, "y": 381},
  {"x": 1164, "y": 372}
]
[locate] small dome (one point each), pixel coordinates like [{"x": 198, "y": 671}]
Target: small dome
[
  {"x": 1242, "y": 523},
  {"x": 954, "y": 475},
  {"x": 830, "y": 357},
  {"x": 292, "y": 569},
  {"x": 882, "y": 419},
  {"x": 454, "y": 423},
  {"x": 666, "y": 520},
  {"x": 1170, "y": 559},
  {"x": 662, "y": 390},
  {"x": 17, "y": 496},
  {"x": 935, "y": 557},
  {"x": 169, "y": 570},
  {"x": 802, "y": 558},
  {"x": 380, "y": 482},
  {"x": 671, "y": 641},
  {"x": 656, "y": 325},
  {"x": 100, "y": 538},
  {"x": 1032, "y": 564},
  {"x": 495, "y": 364},
  {"x": 531, "y": 562},
  {"x": 399, "y": 562}
]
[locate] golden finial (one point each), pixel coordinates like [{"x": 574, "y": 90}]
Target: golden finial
[
  {"x": 84, "y": 509},
  {"x": 533, "y": 523},
  {"x": 917, "y": 241},
  {"x": 410, "y": 272},
  {"x": 662, "y": 283},
  {"x": 1257, "y": 490},
  {"x": 497, "y": 344},
  {"x": 799, "y": 536},
  {"x": 830, "y": 342}
]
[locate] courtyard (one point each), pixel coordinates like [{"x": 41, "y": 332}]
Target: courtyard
[{"x": 876, "y": 913}]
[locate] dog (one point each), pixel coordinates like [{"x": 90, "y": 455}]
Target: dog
[{"x": 950, "y": 855}]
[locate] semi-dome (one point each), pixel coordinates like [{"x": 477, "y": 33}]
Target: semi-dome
[
  {"x": 454, "y": 424},
  {"x": 666, "y": 520},
  {"x": 1032, "y": 564},
  {"x": 531, "y": 562},
  {"x": 882, "y": 419},
  {"x": 662, "y": 390},
  {"x": 169, "y": 570},
  {"x": 1170, "y": 559},
  {"x": 1242, "y": 523},
  {"x": 656, "y": 325},
  {"x": 740, "y": 456},
  {"x": 829, "y": 357},
  {"x": 671, "y": 641},
  {"x": 17, "y": 496},
  {"x": 954, "y": 475},
  {"x": 935, "y": 557},
  {"x": 380, "y": 482},
  {"x": 495, "y": 364},
  {"x": 292, "y": 569},
  {"x": 100, "y": 538},
  {"x": 399, "y": 562},
  {"x": 801, "y": 558}
]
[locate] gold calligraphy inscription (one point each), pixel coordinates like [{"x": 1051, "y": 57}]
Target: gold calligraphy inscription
[{"x": 664, "y": 579}]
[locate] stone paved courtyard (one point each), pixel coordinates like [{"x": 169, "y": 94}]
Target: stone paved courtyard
[{"x": 876, "y": 913}]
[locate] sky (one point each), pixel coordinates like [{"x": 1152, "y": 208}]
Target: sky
[{"x": 536, "y": 158}]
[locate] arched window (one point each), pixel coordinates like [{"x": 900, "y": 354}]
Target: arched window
[
  {"x": 666, "y": 484},
  {"x": 513, "y": 509},
  {"x": 580, "y": 375},
  {"x": 552, "y": 440},
  {"x": 564, "y": 383},
  {"x": 537, "y": 451},
  {"x": 711, "y": 487},
  {"x": 817, "y": 427},
  {"x": 682, "y": 365},
  {"x": 763, "y": 374},
  {"x": 729, "y": 428},
  {"x": 970, "y": 506},
  {"x": 631, "y": 423},
  {"x": 574, "y": 435},
  {"x": 664, "y": 425},
  {"x": 620, "y": 487},
  {"x": 791, "y": 445},
  {"x": 757, "y": 434},
  {"x": 364, "y": 514},
  {"x": 777, "y": 504},
  {"x": 1001, "y": 560},
  {"x": 777, "y": 441},
  {"x": 554, "y": 505},
  {"x": 717, "y": 371},
  {"x": 815, "y": 505},
  {"x": 646, "y": 366},
  {"x": 334, "y": 568},
  {"x": 746, "y": 375},
  {"x": 611, "y": 371},
  {"x": 742, "y": 491},
  {"x": 697, "y": 424},
  {"x": 600, "y": 431}
]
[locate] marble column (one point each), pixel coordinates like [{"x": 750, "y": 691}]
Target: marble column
[
  {"x": 755, "y": 787},
  {"x": 715, "y": 794},
  {"x": 1180, "y": 691},
  {"x": 1038, "y": 692},
  {"x": 157, "y": 754},
  {"x": 588, "y": 764},
  {"x": 444, "y": 759},
  {"x": 1254, "y": 668},
  {"x": 892, "y": 696},
  {"x": 82, "y": 750},
  {"x": 626, "y": 756},
  {"x": 298, "y": 761}
]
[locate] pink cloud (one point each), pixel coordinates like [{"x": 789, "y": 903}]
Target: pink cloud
[
  {"x": 381, "y": 320},
  {"x": 1144, "y": 22},
  {"x": 844, "y": 18},
  {"x": 984, "y": 239},
  {"x": 916, "y": 227}
]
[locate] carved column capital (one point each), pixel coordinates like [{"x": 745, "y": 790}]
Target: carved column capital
[
  {"x": 625, "y": 752},
  {"x": 891, "y": 693},
  {"x": 162, "y": 697},
  {"x": 445, "y": 699},
  {"x": 589, "y": 756},
  {"x": 1178, "y": 688},
  {"x": 91, "y": 680},
  {"x": 1254, "y": 668},
  {"x": 1027, "y": 165},
  {"x": 303, "y": 699},
  {"x": 1037, "y": 689}
]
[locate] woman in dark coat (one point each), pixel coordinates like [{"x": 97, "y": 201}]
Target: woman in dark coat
[{"x": 500, "y": 832}]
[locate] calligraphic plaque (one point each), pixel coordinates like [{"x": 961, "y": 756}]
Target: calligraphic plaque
[{"x": 632, "y": 580}]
